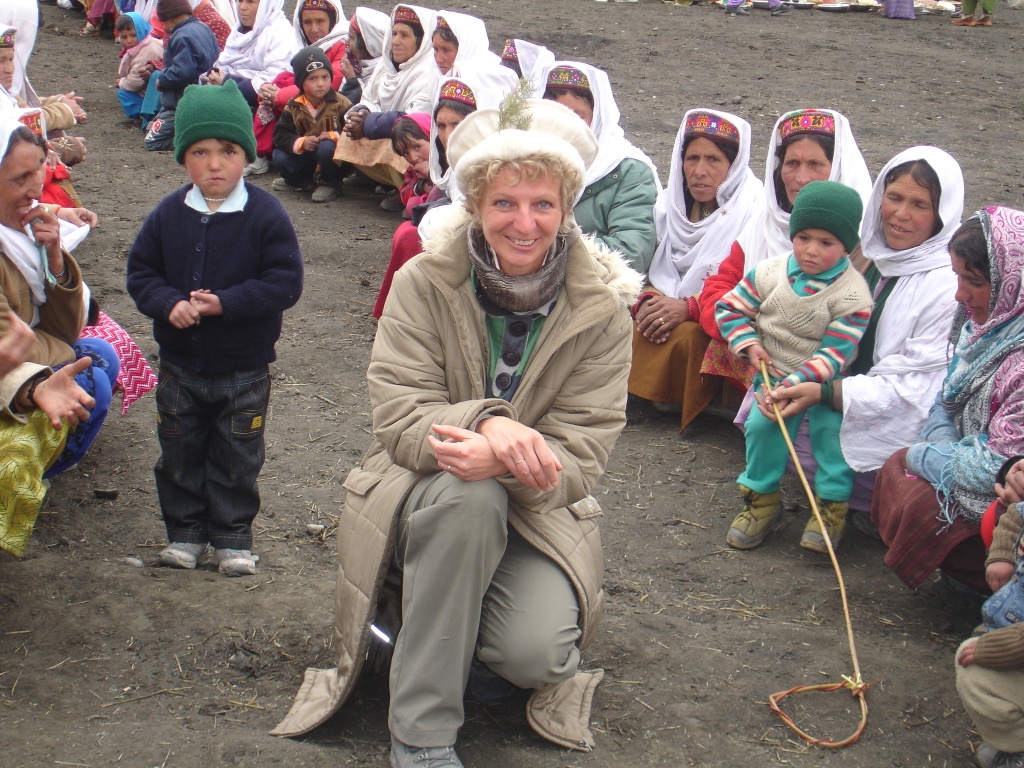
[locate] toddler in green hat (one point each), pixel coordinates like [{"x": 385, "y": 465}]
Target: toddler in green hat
[{"x": 803, "y": 315}]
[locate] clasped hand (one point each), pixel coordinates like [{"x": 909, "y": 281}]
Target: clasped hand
[
  {"x": 201, "y": 303},
  {"x": 500, "y": 446}
]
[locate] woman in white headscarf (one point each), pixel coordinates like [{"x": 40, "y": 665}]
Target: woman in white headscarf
[
  {"x": 806, "y": 145},
  {"x": 710, "y": 196},
  {"x": 617, "y": 204},
  {"x": 461, "y": 44},
  {"x": 368, "y": 30},
  {"x": 258, "y": 50},
  {"x": 404, "y": 81}
]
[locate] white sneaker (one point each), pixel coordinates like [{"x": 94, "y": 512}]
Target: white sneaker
[
  {"x": 181, "y": 554},
  {"x": 235, "y": 562},
  {"x": 403, "y": 756},
  {"x": 65, "y": 4},
  {"x": 257, "y": 167}
]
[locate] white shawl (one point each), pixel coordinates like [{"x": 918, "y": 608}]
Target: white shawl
[
  {"x": 611, "y": 139},
  {"x": 338, "y": 32},
  {"x": 9, "y": 99},
  {"x": 23, "y": 16},
  {"x": 535, "y": 61},
  {"x": 410, "y": 87},
  {"x": 767, "y": 234},
  {"x": 265, "y": 51},
  {"x": 689, "y": 251},
  {"x": 884, "y": 410},
  {"x": 474, "y": 45},
  {"x": 373, "y": 26}
]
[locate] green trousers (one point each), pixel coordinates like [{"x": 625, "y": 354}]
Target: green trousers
[
  {"x": 969, "y": 6},
  {"x": 767, "y": 454}
]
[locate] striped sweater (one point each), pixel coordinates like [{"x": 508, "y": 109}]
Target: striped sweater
[{"x": 810, "y": 325}]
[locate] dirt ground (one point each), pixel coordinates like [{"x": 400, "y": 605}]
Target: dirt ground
[{"x": 104, "y": 663}]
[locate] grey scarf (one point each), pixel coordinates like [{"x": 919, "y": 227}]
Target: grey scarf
[{"x": 524, "y": 293}]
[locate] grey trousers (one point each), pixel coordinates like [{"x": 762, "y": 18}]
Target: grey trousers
[
  {"x": 469, "y": 583},
  {"x": 994, "y": 699}
]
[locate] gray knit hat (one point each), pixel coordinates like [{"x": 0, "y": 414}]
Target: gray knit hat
[{"x": 831, "y": 206}]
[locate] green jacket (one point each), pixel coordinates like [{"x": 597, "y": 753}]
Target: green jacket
[{"x": 619, "y": 211}]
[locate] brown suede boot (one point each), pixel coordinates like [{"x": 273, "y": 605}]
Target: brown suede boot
[
  {"x": 833, "y": 513},
  {"x": 760, "y": 512}
]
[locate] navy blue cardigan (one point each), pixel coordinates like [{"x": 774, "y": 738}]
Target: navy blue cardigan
[{"x": 249, "y": 258}]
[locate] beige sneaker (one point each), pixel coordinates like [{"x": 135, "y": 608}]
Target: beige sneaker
[
  {"x": 759, "y": 515},
  {"x": 324, "y": 194},
  {"x": 834, "y": 514}
]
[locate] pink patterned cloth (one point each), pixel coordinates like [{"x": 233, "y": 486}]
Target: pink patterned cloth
[{"x": 136, "y": 377}]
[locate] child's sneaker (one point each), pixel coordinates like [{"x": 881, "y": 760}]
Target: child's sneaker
[
  {"x": 760, "y": 511},
  {"x": 833, "y": 513},
  {"x": 182, "y": 554},
  {"x": 325, "y": 193},
  {"x": 235, "y": 562}
]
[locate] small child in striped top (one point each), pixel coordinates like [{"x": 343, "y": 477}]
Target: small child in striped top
[{"x": 803, "y": 314}]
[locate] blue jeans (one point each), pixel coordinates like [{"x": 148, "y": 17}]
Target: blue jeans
[
  {"x": 299, "y": 169},
  {"x": 211, "y": 430},
  {"x": 98, "y": 381}
]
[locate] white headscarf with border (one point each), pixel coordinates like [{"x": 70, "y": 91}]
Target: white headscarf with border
[
  {"x": 338, "y": 32},
  {"x": 410, "y": 87},
  {"x": 474, "y": 44}
]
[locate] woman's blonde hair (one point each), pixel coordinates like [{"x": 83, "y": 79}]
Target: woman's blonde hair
[{"x": 483, "y": 175}]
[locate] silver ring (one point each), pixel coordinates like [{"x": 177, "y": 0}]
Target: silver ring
[
  {"x": 448, "y": 468},
  {"x": 661, "y": 320},
  {"x": 521, "y": 461}
]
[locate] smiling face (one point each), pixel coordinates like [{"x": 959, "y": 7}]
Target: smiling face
[
  {"x": 973, "y": 289},
  {"x": 817, "y": 250},
  {"x": 317, "y": 85},
  {"x": 444, "y": 53},
  {"x": 805, "y": 161},
  {"x": 907, "y": 213},
  {"x": 705, "y": 167},
  {"x": 315, "y": 25},
  {"x": 403, "y": 43},
  {"x": 215, "y": 166},
  {"x": 21, "y": 182},
  {"x": 520, "y": 219},
  {"x": 7, "y": 68}
]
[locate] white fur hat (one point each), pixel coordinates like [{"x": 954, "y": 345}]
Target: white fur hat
[{"x": 554, "y": 130}]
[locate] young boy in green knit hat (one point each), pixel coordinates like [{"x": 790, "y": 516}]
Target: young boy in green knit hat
[
  {"x": 215, "y": 265},
  {"x": 803, "y": 315}
]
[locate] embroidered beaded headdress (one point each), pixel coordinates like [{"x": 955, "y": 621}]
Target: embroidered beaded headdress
[
  {"x": 509, "y": 53},
  {"x": 406, "y": 15},
  {"x": 7, "y": 39},
  {"x": 442, "y": 24},
  {"x": 33, "y": 120},
  {"x": 707, "y": 124},
  {"x": 807, "y": 121},
  {"x": 568, "y": 77},
  {"x": 456, "y": 90},
  {"x": 317, "y": 5}
]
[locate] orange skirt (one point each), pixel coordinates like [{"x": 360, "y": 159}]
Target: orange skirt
[
  {"x": 375, "y": 158},
  {"x": 670, "y": 372}
]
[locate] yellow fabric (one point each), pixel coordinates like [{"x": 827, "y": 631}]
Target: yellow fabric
[{"x": 26, "y": 450}]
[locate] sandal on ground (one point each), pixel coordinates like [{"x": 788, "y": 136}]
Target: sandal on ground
[
  {"x": 89, "y": 30},
  {"x": 965, "y": 21}
]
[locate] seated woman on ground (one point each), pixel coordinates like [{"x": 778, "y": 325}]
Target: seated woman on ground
[
  {"x": 976, "y": 423},
  {"x": 47, "y": 295},
  {"x": 806, "y": 145},
  {"x": 316, "y": 22},
  {"x": 404, "y": 81},
  {"x": 484, "y": 464},
  {"x": 367, "y": 30},
  {"x": 258, "y": 50},
  {"x": 711, "y": 194}
]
